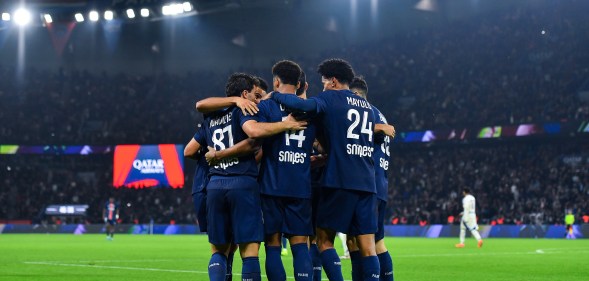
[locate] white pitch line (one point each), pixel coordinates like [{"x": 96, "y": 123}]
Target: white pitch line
[
  {"x": 105, "y": 261},
  {"x": 132, "y": 268},
  {"x": 484, "y": 254},
  {"x": 117, "y": 267}
]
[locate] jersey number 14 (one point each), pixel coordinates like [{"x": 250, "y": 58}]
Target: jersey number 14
[{"x": 298, "y": 136}]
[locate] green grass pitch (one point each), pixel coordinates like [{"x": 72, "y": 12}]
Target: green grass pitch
[{"x": 185, "y": 257}]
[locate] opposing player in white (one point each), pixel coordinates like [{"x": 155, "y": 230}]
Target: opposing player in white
[
  {"x": 469, "y": 219},
  {"x": 344, "y": 238}
]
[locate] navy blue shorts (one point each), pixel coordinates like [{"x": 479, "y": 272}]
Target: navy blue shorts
[
  {"x": 200, "y": 209},
  {"x": 382, "y": 208},
  {"x": 348, "y": 211},
  {"x": 234, "y": 213},
  {"x": 287, "y": 215},
  {"x": 112, "y": 222}
]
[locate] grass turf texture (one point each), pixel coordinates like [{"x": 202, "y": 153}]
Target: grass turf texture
[{"x": 185, "y": 257}]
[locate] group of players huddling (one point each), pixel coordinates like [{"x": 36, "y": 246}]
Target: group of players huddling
[{"x": 323, "y": 164}]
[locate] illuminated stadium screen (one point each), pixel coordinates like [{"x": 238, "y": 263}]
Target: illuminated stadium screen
[{"x": 140, "y": 166}]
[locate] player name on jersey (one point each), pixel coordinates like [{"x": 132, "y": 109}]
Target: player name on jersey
[
  {"x": 221, "y": 120},
  {"x": 358, "y": 102}
]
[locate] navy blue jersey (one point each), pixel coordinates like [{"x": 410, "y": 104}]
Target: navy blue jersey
[
  {"x": 110, "y": 210},
  {"x": 201, "y": 173},
  {"x": 381, "y": 158},
  {"x": 348, "y": 124},
  {"x": 285, "y": 169},
  {"x": 223, "y": 130}
]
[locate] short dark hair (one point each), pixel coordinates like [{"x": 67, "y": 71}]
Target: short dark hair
[
  {"x": 238, "y": 82},
  {"x": 359, "y": 83},
  {"x": 302, "y": 82},
  {"x": 263, "y": 84},
  {"x": 466, "y": 190},
  {"x": 338, "y": 69},
  {"x": 287, "y": 71}
]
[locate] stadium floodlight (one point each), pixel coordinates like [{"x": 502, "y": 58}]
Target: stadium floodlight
[
  {"x": 145, "y": 12},
  {"x": 5, "y": 16},
  {"x": 187, "y": 6},
  {"x": 47, "y": 18},
  {"x": 22, "y": 17},
  {"x": 130, "y": 13},
  {"x": 108, "y": 15},
  {"x": 93, "y": 16},
  {"x": 177, "y": 9},
  {"x": 79, "y": 17},
  {"x": 166, "y": 10}
]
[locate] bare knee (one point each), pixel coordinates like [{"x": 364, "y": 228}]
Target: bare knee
[
  {"x": 380, "y": 247},
  {"x": 351, "y": 243},
  {"x": 366, "y": 245},
  {"x": 325, "y": 238},
  {"x": 293, "y": 240},
  {"x": 249, "y": 249},
  {"x": 273, "y": 240}
]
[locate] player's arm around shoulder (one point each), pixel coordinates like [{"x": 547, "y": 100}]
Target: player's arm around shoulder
[
  {"x": 217, "y": 103},
  {"x": 386, "y": 129},
  {"x": 255, "y": 129},
  {"x": 191, "y": 148},
  {"x": 242, "y": 148},
  {"x": 293, "y": 102}
]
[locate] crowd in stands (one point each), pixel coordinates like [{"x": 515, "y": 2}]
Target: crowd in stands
[
  {"x": 507, "y": 68},
  {"x": 518, "y": 67},
  {"x": 514, "y": 183}
]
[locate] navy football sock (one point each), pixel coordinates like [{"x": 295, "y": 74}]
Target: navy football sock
[
  {"x": 316, "y": 260},
  {"x": 229, "y": 273},
  {"x": 303, "y": 268},
  {"x": 332, "y": 265},
  {"x": 251, "y": 269},
  {"x": 386, "y": 267},
  {"x": 274, "y": 266},
  {"x": 356, "y": 266},
  {"x": 217, "y": 267},
  {"x": 371, "y": 268}
]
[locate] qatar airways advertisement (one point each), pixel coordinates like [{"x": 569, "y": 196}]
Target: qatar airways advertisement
[{"x": 140, "y": 166}]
